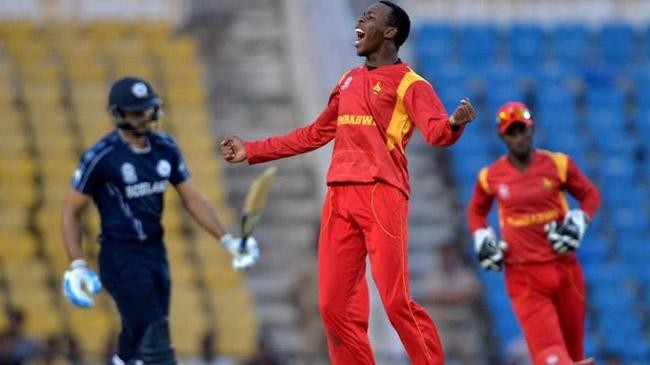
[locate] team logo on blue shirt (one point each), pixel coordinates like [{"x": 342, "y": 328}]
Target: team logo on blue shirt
[
  {"x": 139, "y": 89},
  {"x": 163, "y": 168},
  {"x": 128, "y": 173}
]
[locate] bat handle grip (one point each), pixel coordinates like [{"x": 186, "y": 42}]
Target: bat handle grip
[{"x": 242, "y": 244}]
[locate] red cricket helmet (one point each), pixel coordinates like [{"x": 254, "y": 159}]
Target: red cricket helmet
[{"x": 513, "y": 112}]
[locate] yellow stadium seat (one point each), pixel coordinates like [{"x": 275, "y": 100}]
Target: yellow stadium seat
[
  {"x": 220, "y": 277},
  {"x": 184, "y": 272},
  {"x": 13, "y": 143},
  {"x": 91, "y": 328},
  {"x": 17, "y": 244},
  {"x": 158, "y": 30},
  {"x": 16, "y": 164},
  {"x": 177, "y": 74},
  {"x": 186, "y": 97},
  {"x": 28, "y": 270},
  {"x": 106, "y": 30},
  {"x": 39, "y": 95},
  {"x": 20, "y": 29},
  {"x": 186, "y": 329},
  {"x": 14, "y": 218},
  {"x": 182, "y": 47},
  {"x": 40, "y": 71},
  {"x": 25, "y": 52},
  {"x": 134, "y": 67},
  {"x": 83, "y": 72},
  {"x": 176, "y": 244},
  {"x": 39, "y": 325},
  {"x": 172, "y": 219},
  {"x": 235, "y": 316}
]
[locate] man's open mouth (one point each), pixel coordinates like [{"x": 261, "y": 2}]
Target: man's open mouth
[{"x": 360, "y": 35}]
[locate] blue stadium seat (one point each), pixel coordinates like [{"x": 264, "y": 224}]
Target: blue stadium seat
[
  {"x": 479, "y": 45},
  {"x": 604, "y": 120},
  {"x": 527, "y": 45},
  {"x": 443, "y": 73},
  {"x": 628, "y": 219},
  {"x": 639, "y": 77},
  {"x": 617, "y": 143},
  {"x": 502, "y": 74},
  {"x": 646, "y": 44},
  {"x": 559, "y": 140},
  {"x": 593, "y": 251},
  {"x": 642, "y": 119},
  {"x": 570, "y": 45},
  {"x": 630, "y": 344},
  {"x": 501, "y": 94},
  {"x": 605, "y": 276},
  {"x": 605, "y": 96},
  {"x": 434, "y": 44},
  {"x": 553, "y": 74},
  {"x": 617, "y": 44},
  {"x": 556, "y": 99},
  {"x": 634, "y": 250},
  {"x": 623, "y": 193}
]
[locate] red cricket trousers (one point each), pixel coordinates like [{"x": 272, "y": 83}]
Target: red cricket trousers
[
  {"x": 360, "y": 220},
  {"x": 549, "y": 301}
]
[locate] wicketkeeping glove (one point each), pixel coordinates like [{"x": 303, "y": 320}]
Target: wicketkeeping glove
[
  {"x": 80, "y": 284},
  {"x": 241, "y": 260},
  {"x": 489, "y": 249},
  {"x": 566, "y": 236}
]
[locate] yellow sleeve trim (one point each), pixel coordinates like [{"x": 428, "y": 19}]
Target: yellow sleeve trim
[
  {"x": 483, "y": 180},
  {"x": 400, "y": 123},
  {"x": 561, "y": 162}
]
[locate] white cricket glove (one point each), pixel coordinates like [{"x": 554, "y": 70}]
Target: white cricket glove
[
  {"x": 241, "y": 260},
  {"x": 80, "y": 284},
  {"x": 566, "y": 236},
  {"x": 489, "y": 249}
]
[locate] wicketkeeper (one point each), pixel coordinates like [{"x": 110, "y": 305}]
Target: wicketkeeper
[{"x": 539, "y": 237}]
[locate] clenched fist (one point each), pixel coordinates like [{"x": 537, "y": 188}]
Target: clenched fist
[
  {"x": 233, "y": 149},
  {"x": 463, "y": 114}
]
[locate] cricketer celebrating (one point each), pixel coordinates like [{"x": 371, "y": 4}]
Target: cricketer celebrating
[
  {"x": 126, "y": 174},
  {"x": 540, "y": 236},
  {"x": 371, "y": 115}
]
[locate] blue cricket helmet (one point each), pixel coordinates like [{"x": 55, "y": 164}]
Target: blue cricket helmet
[{"x": 132, "y": 94}]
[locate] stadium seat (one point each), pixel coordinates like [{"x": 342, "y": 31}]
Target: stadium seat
[
  {"x": 479, "y": 45},
  {"x": 570, "y": 45},
  {"x": 527, "y": 45},
  {"x": 617, "y": 44},
  {"x": 434, "y": 44}
]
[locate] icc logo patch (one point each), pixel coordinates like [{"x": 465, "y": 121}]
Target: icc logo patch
[
  {"x": 139, "y": 90},
  {"x": 128, "y": 173},
  {"x": 503, "y": 191},
  {"x": 552, "y": 359},
  {"x": 346, "y": 83},
  {"x": 163, "y": 168}
]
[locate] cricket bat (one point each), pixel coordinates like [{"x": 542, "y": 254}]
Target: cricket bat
[{"x": 254, "y": 203}]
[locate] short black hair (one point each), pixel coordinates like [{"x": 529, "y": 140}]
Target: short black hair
[{"x": 400, "y": 20}]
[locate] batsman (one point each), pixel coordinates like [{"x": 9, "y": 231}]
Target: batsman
[
  {"x": 540, "y": 237},
  {"x": 371, "y": 115},
  {"x": 126, "y": 174}
]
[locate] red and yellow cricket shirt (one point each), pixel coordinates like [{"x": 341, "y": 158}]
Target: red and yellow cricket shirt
[
  {"x": 528, "y": 200},
  {"x": 371, "y": 115}
]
